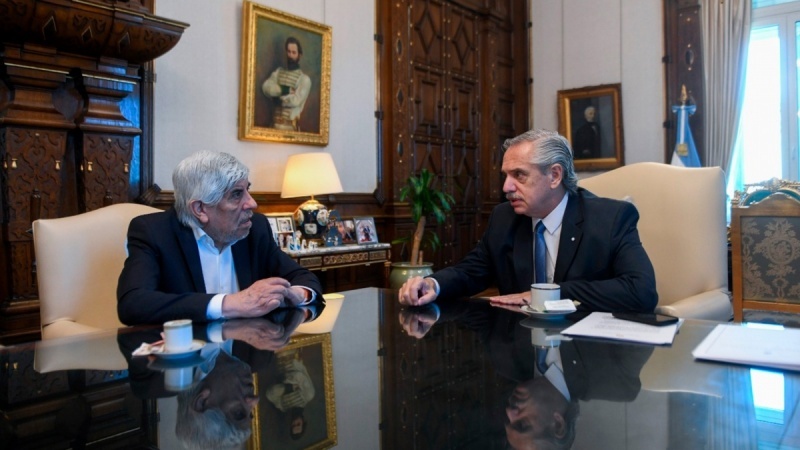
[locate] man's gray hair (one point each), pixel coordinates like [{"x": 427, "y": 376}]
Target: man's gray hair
[
  {"x": 209, "y": 429},
  {"x": 204, "y": 176},
  {"x": 551, "y": 148}
]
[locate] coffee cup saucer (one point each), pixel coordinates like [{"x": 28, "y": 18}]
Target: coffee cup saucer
[
  {"x": 544, "y": 315},
  {"x": 194, "y": 349}
]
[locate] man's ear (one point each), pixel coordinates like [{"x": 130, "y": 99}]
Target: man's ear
[
  {"x": 556, "y": 173},
  {"x": 199, "y": 400},
  {"x": 199, "y": 210},
  {"x": 559, "y": 425}
]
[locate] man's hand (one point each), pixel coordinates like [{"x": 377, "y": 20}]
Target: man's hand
[
  {"x": 523, "y": 298},
  {"x": 418, "y": 321},
  {"x": 417, "y": 291},
  {"x": 262, "y": 297},
  {"x": 264, "y": 334}
]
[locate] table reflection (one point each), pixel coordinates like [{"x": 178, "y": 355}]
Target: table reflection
[
  {"x": 366, "y": 373},
  {"x": 549, "y": 373}
]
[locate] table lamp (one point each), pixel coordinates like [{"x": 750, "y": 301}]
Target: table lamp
[{"x": 310, "y": 174}]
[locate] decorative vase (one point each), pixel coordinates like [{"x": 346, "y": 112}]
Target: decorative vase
[{"x": 402, "y": 271}]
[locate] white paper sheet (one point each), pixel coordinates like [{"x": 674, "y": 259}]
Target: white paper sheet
[
  {"x": 604, "y": 325},
  {"x": 741, "y": 344}
]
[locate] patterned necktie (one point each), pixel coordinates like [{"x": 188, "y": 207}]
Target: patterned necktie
[{"x": 540, "y": 255}]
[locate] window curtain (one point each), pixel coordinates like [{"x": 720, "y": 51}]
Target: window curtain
[{"x": 726, "y": 33}]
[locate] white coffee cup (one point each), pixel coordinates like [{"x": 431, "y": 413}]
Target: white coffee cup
[
  {"x": 179, "y": 378},
  {"x": 177, "y": 335},
  {"x": 542, "y": 292}
]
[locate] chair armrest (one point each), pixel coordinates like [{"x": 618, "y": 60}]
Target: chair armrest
[
  {"x": 94, "y": 351},
  {"x": 66, "y": 327},
  {"x": 710, "y": 305}
]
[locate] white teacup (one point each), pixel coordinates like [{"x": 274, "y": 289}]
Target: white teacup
[
  {"x": 179, "y": 378},
  {"x": 542, "y": 292},
  {"x": 177, "y": 335}
]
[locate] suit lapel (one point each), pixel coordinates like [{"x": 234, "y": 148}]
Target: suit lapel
[
  {"x": 523, "y": 254},
  {"x": 241, "y": 255},
  {"x": 191, "y": 255},
  {"x": 571, "y": 232}
]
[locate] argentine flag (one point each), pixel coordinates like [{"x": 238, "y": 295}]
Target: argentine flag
[{"x": 685, "y": 154}]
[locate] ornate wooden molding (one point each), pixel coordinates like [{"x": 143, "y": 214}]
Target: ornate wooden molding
[{"x": 97, "y": 29}]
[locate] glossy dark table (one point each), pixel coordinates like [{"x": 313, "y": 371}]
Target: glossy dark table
[{"x": 372, "y": 385}]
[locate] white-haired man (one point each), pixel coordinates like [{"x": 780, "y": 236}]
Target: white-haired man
[{"x": 210, "y": 256}]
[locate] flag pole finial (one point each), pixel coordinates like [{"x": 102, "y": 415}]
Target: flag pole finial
[{"x": 684, "y": 97}]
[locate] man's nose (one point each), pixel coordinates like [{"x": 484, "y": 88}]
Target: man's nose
[
  {"x": 250, "y": 202},
  {"x": 508, "y": 185},
  {"x": 513, "y": 413}
]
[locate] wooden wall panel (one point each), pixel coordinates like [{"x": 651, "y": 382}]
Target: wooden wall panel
[{"x": 68, "y": 69}]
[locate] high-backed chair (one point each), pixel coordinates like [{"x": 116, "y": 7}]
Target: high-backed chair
[
  {"x": 78, "y": 261},
  {"x": 765, "y": 248},
  {"x": 682, "y": 228}
]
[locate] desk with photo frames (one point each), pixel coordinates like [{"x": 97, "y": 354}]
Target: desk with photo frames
[{"x": 348, "y": 255}]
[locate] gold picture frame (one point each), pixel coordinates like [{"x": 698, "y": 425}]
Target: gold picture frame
[
  {"x": 591, "y": 119},
  {"x": 315, "y": 353},
  {"x": 278, "y": 103}
]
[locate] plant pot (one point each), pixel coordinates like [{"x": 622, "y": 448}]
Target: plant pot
[{"x": 402, "y": 271}]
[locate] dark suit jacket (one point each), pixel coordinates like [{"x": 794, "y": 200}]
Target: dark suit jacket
[
  {"x": 163, "y": 280},
  {"x": 600, "y": 262}
]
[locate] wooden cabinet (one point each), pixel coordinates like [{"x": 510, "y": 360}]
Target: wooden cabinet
[{"x": 73, "y": 78}]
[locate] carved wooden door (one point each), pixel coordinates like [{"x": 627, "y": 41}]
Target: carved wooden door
[{"x": 455, "y": 83}]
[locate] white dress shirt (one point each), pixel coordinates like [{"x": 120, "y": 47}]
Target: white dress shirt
[
  {"x": 552, "y": 235},
  {"x": 219, "y": 273}
]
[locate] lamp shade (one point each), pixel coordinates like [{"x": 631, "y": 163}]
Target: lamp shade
[{"x": 309, "y": 174}]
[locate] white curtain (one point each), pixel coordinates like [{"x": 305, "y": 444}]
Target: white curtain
[{"x": 726, "y": 33}]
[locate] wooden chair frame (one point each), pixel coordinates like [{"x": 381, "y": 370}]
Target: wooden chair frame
[{"x": 775, "y": 205}]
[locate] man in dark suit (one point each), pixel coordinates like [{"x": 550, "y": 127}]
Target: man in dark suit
[
  {"x": 209, "y": 257},
  {"x": 587, "y": 137},
  {"x": 592, "y": 249}
]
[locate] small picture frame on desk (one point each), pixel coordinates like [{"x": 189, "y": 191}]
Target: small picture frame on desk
[
  {"x": 365, "y": 230},
  {"x": 282, "y": 228},
  {"x": 348, "y": 231}
]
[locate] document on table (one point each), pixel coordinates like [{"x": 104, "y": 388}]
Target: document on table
[
  {"x": 741, "y": 344},
  {"x": 604, "y": 325}
]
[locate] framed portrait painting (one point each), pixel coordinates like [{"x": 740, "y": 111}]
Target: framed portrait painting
[
  {"x": 284, "y": 91},
  {"x": 302, "y": 417},
  {"x": 591, "y": 119}
]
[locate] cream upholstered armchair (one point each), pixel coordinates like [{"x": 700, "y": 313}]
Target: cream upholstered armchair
[
  {"x": 78, "y": 260},
  {"x": 682, "y": 227}
]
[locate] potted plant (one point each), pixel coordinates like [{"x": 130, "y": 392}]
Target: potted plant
[{"x": 426, "y": 202}]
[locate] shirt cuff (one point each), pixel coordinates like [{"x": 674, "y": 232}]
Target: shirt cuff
[
  {"x": 214, "y": 332},
  {"x": 435, "y": 307},
  {"x": 312, "y": 297},
  {"x": 436, "y": 287},
  {"x": 214, "y": 309}
]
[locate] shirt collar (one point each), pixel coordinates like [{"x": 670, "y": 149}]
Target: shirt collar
[
  {"x": 556, "y": 216},
  {"x": 202, "y": 238}
]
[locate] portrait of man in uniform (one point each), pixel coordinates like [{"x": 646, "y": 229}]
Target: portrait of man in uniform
[
  {"x": 285, "y": 91},
  {"x": 288, "y": 88}
]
